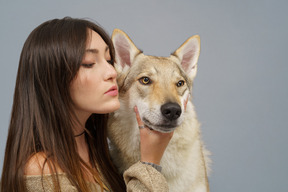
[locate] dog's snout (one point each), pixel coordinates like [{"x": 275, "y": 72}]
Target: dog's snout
[{"x": 171, "y": 111}]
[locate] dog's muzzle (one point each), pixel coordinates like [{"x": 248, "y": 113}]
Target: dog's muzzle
[{"x": 165, "y": 121}]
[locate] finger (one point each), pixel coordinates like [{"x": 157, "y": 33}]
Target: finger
[
  {"x": 138, "y": 118},
  {"x": 185, "y": 102}
]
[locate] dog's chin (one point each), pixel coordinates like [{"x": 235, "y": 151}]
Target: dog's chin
[
  {"x": 163, "y": 130},
  {"x": 165, "y": 127}
]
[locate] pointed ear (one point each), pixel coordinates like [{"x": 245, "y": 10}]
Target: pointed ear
[
  {"x": 125, "y": 49},
  {"x": 188, "y": 53}
]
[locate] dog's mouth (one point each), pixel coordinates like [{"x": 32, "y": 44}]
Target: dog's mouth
[{"x": 164, "y": 128}]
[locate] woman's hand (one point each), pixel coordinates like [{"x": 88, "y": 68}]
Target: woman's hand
[{"x": 152, "y": 143}]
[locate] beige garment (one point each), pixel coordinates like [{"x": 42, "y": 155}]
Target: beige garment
[
  {"x": 34, "y": 183},
  {"x": 143, "y": 178},
  {"x": 138, "y": 178}
]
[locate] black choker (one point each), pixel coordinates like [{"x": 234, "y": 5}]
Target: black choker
[{"x": 80, "y": 134}]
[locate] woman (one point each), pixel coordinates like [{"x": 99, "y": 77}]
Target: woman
[{"x": 57, "y": 140}]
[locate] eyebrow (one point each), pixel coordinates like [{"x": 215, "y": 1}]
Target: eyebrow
[{"x": 95, "y": 51}]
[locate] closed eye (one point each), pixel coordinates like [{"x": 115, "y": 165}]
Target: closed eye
[{"x": 90, "y": 65}]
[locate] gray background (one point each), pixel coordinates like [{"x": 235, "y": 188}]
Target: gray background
[{"x": 240, "y": 92}]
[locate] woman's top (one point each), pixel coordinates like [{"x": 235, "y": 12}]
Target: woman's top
[{"x": 139, "y": 177}]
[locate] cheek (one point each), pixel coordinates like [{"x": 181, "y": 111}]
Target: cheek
[
  {"x": 80, "y": 86},
  {"x": 77, "y": 85},
  {"x": 75, "y": 89},
  {"x": 87, "y": 82}
]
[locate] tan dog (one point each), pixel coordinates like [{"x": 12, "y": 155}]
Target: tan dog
[{"x": 159, "y": 87}]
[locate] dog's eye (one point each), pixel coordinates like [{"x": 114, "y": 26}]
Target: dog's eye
[
  {"x": 145, "y": 80},
  {"x": 110, "y": 62},
  {"x": 180, "y": 83}
]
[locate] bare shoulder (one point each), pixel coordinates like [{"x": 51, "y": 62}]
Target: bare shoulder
[{"x": 37, "y": 164}]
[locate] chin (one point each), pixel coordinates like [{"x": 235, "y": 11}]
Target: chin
[
  {"x": 110, "y": 107},
  {"x": 115, "y": 107}
]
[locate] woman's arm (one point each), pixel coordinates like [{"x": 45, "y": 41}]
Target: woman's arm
[{"x": 143, "y": 177}]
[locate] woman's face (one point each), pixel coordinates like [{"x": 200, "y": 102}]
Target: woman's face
[{"x": 94, "y": 89}]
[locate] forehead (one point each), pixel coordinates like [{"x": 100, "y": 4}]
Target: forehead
[
  {"x": 161, "y": 65},
  {"x": 161, "y": 68},
  {"x": 95, "y": 41}
]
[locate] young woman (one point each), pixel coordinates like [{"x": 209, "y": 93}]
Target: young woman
[{"x": 57, "y": 140}]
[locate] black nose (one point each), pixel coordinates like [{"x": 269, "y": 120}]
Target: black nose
[{"x": 171, "y": 111}]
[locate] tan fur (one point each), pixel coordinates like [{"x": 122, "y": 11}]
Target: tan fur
[{"x": 185, "y": 161}]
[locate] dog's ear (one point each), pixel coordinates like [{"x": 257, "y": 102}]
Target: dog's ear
[
  {"x": 125, "y": 49},
  {"x": 188, "y": 53}
]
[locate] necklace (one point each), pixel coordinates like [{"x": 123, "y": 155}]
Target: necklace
[{"x": 80, "y": 134}]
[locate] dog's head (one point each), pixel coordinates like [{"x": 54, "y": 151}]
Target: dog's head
[{"x": 158, "y": 86}]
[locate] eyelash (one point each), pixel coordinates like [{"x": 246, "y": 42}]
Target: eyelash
[
  {"x": 87, "y": 65},
  {"x": 90, "y": 65}
]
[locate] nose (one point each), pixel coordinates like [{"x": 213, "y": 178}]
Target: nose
[
  {"x": 110, "y": 72},
  {"x": 171, "y": 111}
]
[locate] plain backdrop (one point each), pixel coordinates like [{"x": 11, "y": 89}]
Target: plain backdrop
[{"x": 240, "y": 91}]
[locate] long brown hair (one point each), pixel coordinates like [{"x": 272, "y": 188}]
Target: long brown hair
[{"x": 41, "y": 119}]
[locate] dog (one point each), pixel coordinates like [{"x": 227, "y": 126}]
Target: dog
[{"x": 159, "y": 87}]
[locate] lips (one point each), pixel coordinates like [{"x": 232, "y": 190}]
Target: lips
[{"x": 113, "y": 91}]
